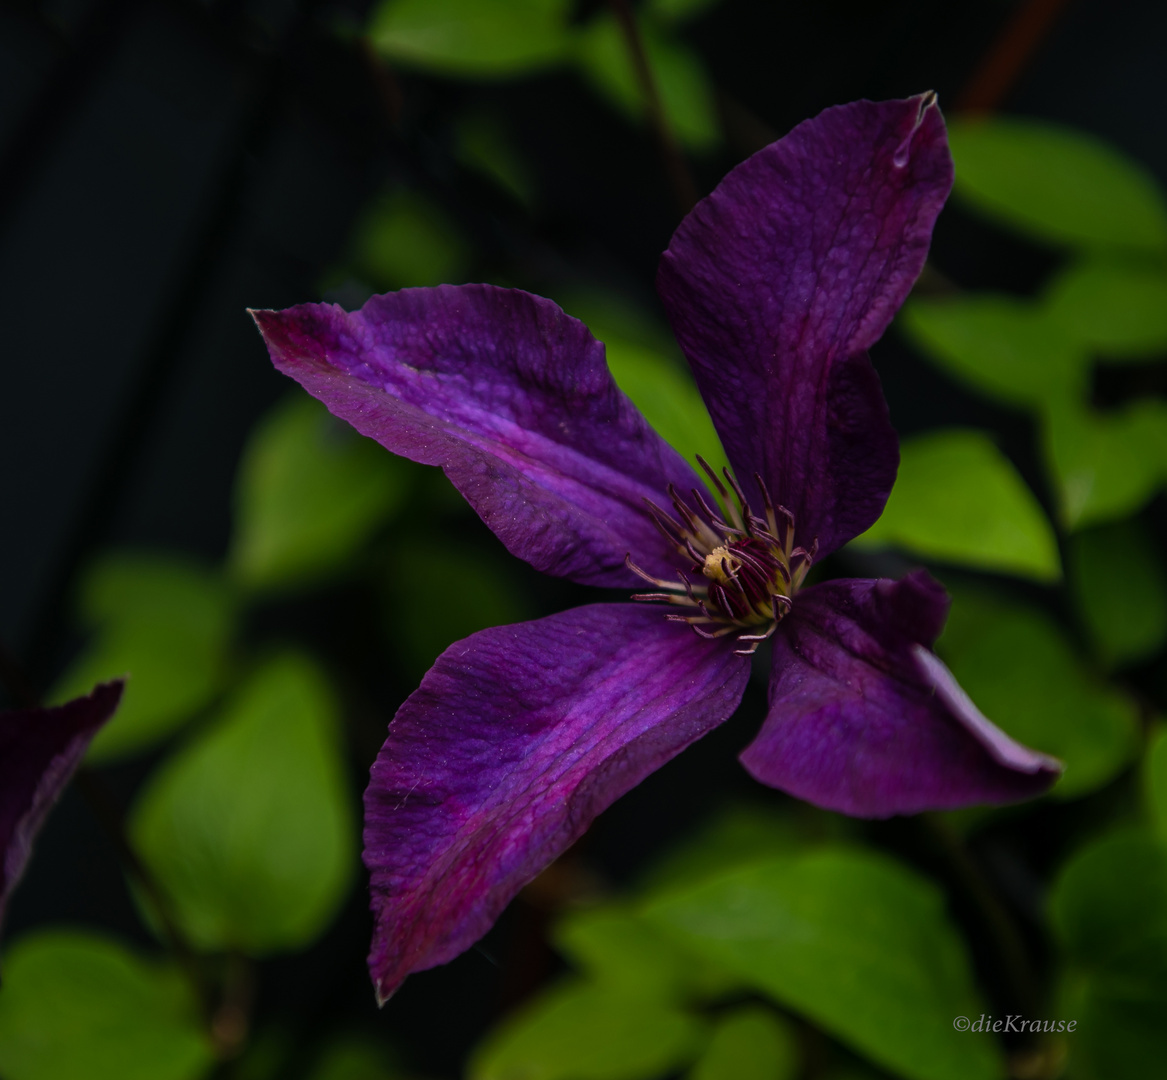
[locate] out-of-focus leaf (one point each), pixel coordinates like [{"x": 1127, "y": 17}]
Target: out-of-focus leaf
[
  {"x": 1121, "y": 590},
  {"x": 404, "y": 239},
  {"x": 309, "y": 492},
  {"x": 648, "y": 367},
  {"x": 437, "y": 593},
  {"x": 76, "y": 1004},
  {"x": 1156, "y": 779},
  {"x": 1057, "y": 184},
  {"x": 1107, "y": 464},
  {"x": 1109, "y": 909},
  {"x": 165, "y": 622},
  {"x": 736, "y": 835},
  {"x": 354, "y": 1057},
  {"x": 484, "y": 146},
  {"x": 685, "y": 90},
  {"x": 249, "y": 828},
  {"x": 580, "y": 1031},
  {"x": 1018, "y": 667},
  {"x": 1118, "y": 310},
  {"x": 958, "y": 499},
  {"x": 852, "y": 940},
  {"x": 1006, "y": 348},
  {"x": 619, "y": 948},
  {"x": 472, "y": 38},
  {"x": 749, "y": 1043}
]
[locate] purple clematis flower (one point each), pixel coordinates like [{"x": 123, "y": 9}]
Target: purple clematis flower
[
  {"x": 518, "y": 736},
  {"x": 39, "y": 750}
]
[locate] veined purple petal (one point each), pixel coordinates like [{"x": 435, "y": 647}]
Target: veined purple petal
[
  {"x": 39, "y": 749},
  {"x": 516, "y": 739},
  {"x": 863, "y": 719},
  {"x": 513, "y": 398},
  {"x": 778, "y": 281}
]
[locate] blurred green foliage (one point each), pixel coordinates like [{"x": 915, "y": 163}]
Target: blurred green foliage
[
  {"x": 167, "y": 624},
  {"x": 249, "y": 828},
  {"x": 78, "y": 1004},
  {"x": 748, "y": 1043}
]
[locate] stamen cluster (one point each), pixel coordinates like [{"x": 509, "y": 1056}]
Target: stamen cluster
[{"x": 743, "y": 572}]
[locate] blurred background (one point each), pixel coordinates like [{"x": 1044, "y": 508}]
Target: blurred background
[{"x": 178, "y": 510}]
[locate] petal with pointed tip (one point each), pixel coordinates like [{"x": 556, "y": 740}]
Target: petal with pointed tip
[
  {"x": 778, "y": 282},
  {"x": 39, "y": 749},
  {"x": 516, "y": 739},
  {"x": 863, "y": 718},
  {"x": 513, "y": 398}
]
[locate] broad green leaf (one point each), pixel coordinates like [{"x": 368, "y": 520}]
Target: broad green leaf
[
  {"x": 854, "y": 941},
  {"x": 484, "y": 145},
  {"x": 403, "y": 239},
  {"x": 1156, "y": 779},
  {"x": 1025, "y": 676},
  {"x": 686, "y": 93},
  {"x": 1109, "y": 909},
  {"x": 437, "y": 592},
  {"x": 749, "y": 1043},
  {"x": 472, "y": 38},
  {"x": 1118, "y": 310},
  {"x": 1004, "y": 347},
  {"x": 1057, "y": 184},
  {"x": 580, "y": 1031},
  {"x": 958, "y": 499},
  {"x": 249, "y": 829},
  {"x": 617, "y": 947},
  {"x": 165, "y": 622},
  {"x": 1107, "y": 464},
  {"x": 309, "y": 492},
  {"x": 76, "y": 1004},
  {"x": 1121, "y": 590}
]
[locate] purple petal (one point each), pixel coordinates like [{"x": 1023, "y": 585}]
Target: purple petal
[
  {"x": 776, "y": 284},
  {"x": 865, "y": 720},
  {"x": 517, "y": 738},
  {"x": 513, "y": 398},
  {"x": 39, "y": 749}
]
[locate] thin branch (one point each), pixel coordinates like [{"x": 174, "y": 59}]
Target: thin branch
[{"x": 684, "y": 190}]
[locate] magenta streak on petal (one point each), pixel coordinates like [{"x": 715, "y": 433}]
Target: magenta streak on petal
[
  {"x": 778, "y": 282},
  {"x": 516, "y": 739},
  {"x": 39, "y": 750},
  {"x": 513, "y": 398},
  {"x": 855, "y": 723},
  {"x": 1003, "y": 748}
]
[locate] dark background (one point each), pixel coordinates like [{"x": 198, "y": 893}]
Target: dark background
[{"x": 165, "y": 164}]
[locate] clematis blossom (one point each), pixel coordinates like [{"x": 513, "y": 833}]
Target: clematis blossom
[
  {"x": 39, "y": 750},
  {"x": 775, "y": 285}
]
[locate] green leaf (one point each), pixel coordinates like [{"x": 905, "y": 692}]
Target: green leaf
[
  {"x": 438, "y": 592},
  {"x": 749, "y": 1043},
  {"x": 1121, "y": 591},
  {"x": 958, "y": 499},
  {"x": 165, "y": 622},
  {"x": 1107, "y": 464},
  {"x": 309, "y": 492},
  {"x": 1156, "y": 779},
  {"x": 1025, "y": 676},
  {"x": 1057, "y": 184},
  {"x": 854, "y": 941},
  {"x": 1109, "y": 909},
  {"x": 404, "y": 239},
  {"x": 1118, "y": 310},
  {"x": 475, "y": 39},
  {"x": 249, "y": 829},
  {"x": 354, "y": 1057},
  {"x": 76, "y": 1004},
  {"x": 580, "y": 1031},
  {"x": 686, "y": 93},
  {"x": 1006, "y": 348}
]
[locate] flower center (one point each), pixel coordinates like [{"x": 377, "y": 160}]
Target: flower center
[{"x": 748, "y": 567}]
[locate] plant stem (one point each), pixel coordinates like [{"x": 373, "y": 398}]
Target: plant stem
[{"x": 684, "y": 190}]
